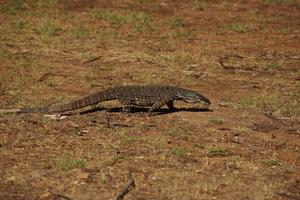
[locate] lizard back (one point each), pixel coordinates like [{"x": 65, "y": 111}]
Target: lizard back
[{"x": 138, "y": 95}]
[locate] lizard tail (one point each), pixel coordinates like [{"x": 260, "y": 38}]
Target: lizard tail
[
  {"x": 80, "y": 103},
  {"x": 33, "y": 110},
  {"x": 73, "y": 105},
  {"x": 24, "y": 110}
]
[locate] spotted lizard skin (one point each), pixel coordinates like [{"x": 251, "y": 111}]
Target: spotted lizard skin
[{"x": 153, "y": 96}]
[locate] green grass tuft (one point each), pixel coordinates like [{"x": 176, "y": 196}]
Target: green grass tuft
[
  {"x": 271, "y": 162},
  {"x": 110, "y": 16},
  {"x": 119, "y": 157},
  {"x": 216, "y": 152},
  {"x": 177, "y": 151},
  {"x": 237, "y": 27},
  {"x": 199, "y": 5},
  {"x": 263, "y": 102},
  {"x": 48, "y": 29},
  {"x": 272, "y": 66},
  {"x": 15, "y": 7},
  {"x": 181, "y": 35},
  {"x": 216, "y": 120},
  {"x": 292, "y": 107},
  {"x": 140, "y": 21},
  {"x": 81, "y": 32},
  {"x": 177, "y": 22},
  {"x": 271, "y": 103},
  {"x": 199, "y": 146},
  {"x": 68, "y": 163}
]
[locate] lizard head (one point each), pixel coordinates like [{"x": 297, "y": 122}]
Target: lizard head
[{"x": 193, "y": 97}]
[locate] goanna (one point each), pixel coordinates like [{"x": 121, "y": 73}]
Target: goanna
[{"x": 153, "y": 96}]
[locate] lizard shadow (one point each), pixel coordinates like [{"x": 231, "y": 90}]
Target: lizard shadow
[
  {"x": 161, "y": 111},
  {"x": 164, "y": 111}
]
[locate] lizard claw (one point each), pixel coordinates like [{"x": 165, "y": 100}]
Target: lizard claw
[{"x": 149, "y": 114}]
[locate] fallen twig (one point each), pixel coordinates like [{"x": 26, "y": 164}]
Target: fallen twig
[
  {"x": 92, "y": 60},
  {"x": 49, "y": 74},
  {"x": 231, "y": 67},
  {"x": 6, "y": 111},
  {"x": 222, "y": 60},
  {"x": 45, "y": 76},
  {"x": 127, "y": 188},
  {"x": 108, "y": 120},
  {"x": 56, "y": 196}
]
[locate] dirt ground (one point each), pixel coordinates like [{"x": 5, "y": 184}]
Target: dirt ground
[{"x": 243, "y": 55}]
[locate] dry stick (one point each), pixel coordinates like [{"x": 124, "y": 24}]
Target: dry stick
[
  {"x": 221, "y": 61},
  {"x": 127, "y": 188},
  {"x": 231, "y": 67},
  {"x": 108, "y": 120},
  {"x": 61, "y": 196},
  {"x": 49, "y": 74},
  {"x": 45, "y": 76},
  {"x": 92, "y": 60},
  {"x": 6, "y": 111}
]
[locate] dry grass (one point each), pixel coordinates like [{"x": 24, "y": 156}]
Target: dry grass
[{"x": 247, "y": 148}]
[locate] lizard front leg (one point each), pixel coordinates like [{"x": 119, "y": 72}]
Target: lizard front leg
[
  {"x": 165, "y": 100},
  {"x": 170, "y": 105}
]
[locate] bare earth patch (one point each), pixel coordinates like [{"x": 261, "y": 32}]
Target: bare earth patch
[{"x": 243, "y": 55}]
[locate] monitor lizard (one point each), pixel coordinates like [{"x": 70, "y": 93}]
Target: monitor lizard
[{"x": 153, "y": 96}]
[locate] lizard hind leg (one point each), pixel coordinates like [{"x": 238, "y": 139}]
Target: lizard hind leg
[
  {"x": 126, "y": 108},
  {"x": 126, "y": 105}
]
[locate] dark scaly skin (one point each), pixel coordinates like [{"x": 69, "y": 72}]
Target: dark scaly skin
[{"x": 153, "y": 96}]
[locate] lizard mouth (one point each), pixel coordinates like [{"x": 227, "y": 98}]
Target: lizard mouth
[
  {"x": 188, "y": 101},
  {"x": 205, "y": 103},
  {"x": 191, "y": 101}
]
